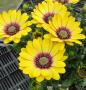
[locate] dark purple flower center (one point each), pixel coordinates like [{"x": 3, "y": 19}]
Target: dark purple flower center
[
  {"x": 12, "y": 29},
  {"x": 43, "y": 60},
  {"x": 47, "y": 17},
  {"x": 63, "y": 33}
]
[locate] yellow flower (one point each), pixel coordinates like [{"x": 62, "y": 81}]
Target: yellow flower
[
  {"x": 64, "y": 29},
  {"x": 13, "y": 25},
  {"x": 46, "y": 10},
  {"x": 66, "y": 1},
  {"x": 42, "y": 59}
]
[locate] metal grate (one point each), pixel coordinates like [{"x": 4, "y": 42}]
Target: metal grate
[{"x": 11, "y": 78}]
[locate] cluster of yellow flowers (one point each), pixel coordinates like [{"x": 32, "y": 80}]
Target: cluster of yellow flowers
[{"x": 42, "y": 58}]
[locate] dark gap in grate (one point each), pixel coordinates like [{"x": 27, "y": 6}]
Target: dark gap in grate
[
  {"x": 5, "y": 59},
  {"x": 17, "y": 77},
  {"x": 3, "y": 51},
  {"x": 6, "y": 84},
  {"x": 2, "y": 73},
  {"x": 11, "y": 68},
  {"x": 0, "y": 65},
  {"x": 23, "y": 85}
]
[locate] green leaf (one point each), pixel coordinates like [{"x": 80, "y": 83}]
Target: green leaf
[
  {"x": 67, "y": 83},
  {"x": 38, "y": 87},
  {"x": 84, "y": 83}
]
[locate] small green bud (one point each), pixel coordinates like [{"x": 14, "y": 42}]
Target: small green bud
[
  {"x": 84, "y": 7},
  {"x": 25, "y": 6},
  {"x": 85, "y": 28},
  {"x": 71, "y": 53}
]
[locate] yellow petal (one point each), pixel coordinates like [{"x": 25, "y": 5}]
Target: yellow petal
[
  {"x": 24, "y": 18},
  {"x": 77, "y": 42},
  {"x": 31, "y": 50},
  {"x": 47, "y": 45},
  {"x": 2, "y": 22},
  {"x": 47, "y": 36},
  {"x": 61, "y": 70},
  {"x": 25, "y": 63},
  {"x": 64, "y": 58},
  {"x": 57, "y": 21},
  {"x": 18, "y": 14},
  {"x": 25, "y": 70},
  {"x": 70, "y": 43},
  {"x": 45, "y": 72},
  {"x": 36, "y": 72},
  {"x": 55, "y": 75},
  {"x": 48, "y": 77},
  {"x": 13, "y": 15},
  {"x": 25, "y": 31},
  {"x": 56, "y": 39},
  {"x": 16, "y": 40},
  {"x": 6, "y": 40},
  {"x": 37, "y": 18},
  {"x": 26, "y": 55},
  {"x": 42, "y": 7},
  {"x": 58, "y": 64},
  {"x": 30, "y": 56},
  {"x": 40, "y": 78},
  {"x": 37, "y": 44},
  {"x": 48, "y": 28},
  {"x": 78, "y": 36},
  {"x": 6, "y": 17}
]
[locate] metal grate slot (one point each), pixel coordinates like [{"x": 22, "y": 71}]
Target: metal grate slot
[
  {"x": 17, "y": 77},
  {"x": 0, "y": 65},
  {"x": 2, "y": 73},
  {"x": 3, "y": 51},
  {"x": 23, "y": 86},
  {"x": 11, "y": 68},
  {"x": 6, "y": 84},
  {"x": 6, "y": 59}
]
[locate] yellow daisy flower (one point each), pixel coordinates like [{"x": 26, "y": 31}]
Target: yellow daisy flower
[
  {"x": 64, "y": 29},
  {"x": 42, "y": 59},
  {"x": 66, "y": 1},
  {"x": 13, "y": 25},
  {"x": 46, "y": 10}
]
